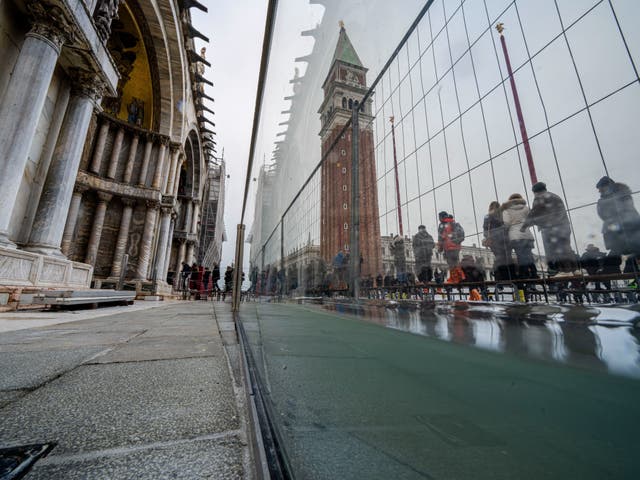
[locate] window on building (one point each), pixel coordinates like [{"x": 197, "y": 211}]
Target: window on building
[
  {"x": 344, "y": 188},
  {"x": 344, "y": 206},
  {"x": 344, "y": 169},
  {"x": 350, "y": 104},
  {"x": 344, "y": 102},
  {"x": 343, "y": 152},
  {"x": 346, "y": 226}
]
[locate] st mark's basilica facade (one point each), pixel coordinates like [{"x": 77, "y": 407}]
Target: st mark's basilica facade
[{"x": 106, "y": 147}]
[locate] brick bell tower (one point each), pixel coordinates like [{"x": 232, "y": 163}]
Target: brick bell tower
[{"x": 344, "y": 88}]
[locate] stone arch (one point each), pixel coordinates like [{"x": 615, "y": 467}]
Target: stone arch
[
  {"x": 161, "y": 31},
  {"x": 190, "y": 173}
]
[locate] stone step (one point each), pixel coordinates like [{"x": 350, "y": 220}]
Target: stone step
[{"x": 77, "y": 297}]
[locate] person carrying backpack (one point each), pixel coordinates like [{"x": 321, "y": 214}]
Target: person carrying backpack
[{"x": 450, "y": 238}]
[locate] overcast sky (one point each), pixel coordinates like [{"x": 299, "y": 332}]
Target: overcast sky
[{"x": 235, "y": 29}]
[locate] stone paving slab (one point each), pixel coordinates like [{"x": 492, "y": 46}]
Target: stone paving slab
[
  {"x": 49, "y": 340},
  {"x": 29, "y": 319},
  {"x": 106, "y": 406},
  {"x": 26, "y": 370},
  {"x": 197, "y": 459},
  {"x": 163, "y": 348},
  {"x": 11, "y": 396},
  {"x": 145, "y": 395}
]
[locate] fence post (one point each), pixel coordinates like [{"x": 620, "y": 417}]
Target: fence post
[
  {"x": 237, "y": 271},
  {"x": 283, "y": 276},
  {"x": 354, "y": 242}
]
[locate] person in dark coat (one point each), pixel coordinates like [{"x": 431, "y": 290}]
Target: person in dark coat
[
  {"x": 206, "y": 278},
  {"x": 228, "y": 279},
  {"x": 397, "y": 248},
  {"x": 184, "y": 275},
  {"x": 592, "y": 261},
  {"x": 550, "y": 215},
  {"x": 621, "y": 221},
  {"x": 497, "y": 239},
  {"x": 423, "y": 246},
  {"x": 450, "y": 238},
  {"x": 471, "y": 271}
]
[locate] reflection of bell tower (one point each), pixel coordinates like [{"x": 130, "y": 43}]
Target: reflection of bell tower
[{"x": 344, "y": 88}]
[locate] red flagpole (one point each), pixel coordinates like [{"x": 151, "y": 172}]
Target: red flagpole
[
  {"x": 395, "y": 167},
  {"x": 516, "y": 100}
]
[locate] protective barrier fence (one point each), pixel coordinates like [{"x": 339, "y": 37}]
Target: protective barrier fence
[{"x": 480, "y": 102}]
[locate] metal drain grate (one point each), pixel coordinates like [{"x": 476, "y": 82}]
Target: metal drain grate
[{"x": 15, "y": 462}]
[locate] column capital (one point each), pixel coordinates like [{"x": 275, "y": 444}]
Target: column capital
[
  {"x": 164, "y": 140},
  {"x": 128, "y": 202},
  {"x": 166, "y": 210},
  {"x": 175, "y": 146},
  {"x": 86, "y": 83},
  {"x": 153, "y": 204},
  {"x": 196, "y": 202},
  {"x": 50, "y": 23},
  {"x": 79, "y": 188},
  {"x": 104, "y": 197}
]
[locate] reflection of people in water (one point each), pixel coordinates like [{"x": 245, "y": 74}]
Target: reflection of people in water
[
  {"x": 581, "y": 343},
  {"x": 461, "y": 328}
]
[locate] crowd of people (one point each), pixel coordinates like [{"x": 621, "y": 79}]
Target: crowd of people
[
  {"x": 204, "y": 283},
  {"x": 507, "y": 232},
  {"x": 507, "y": 229}
]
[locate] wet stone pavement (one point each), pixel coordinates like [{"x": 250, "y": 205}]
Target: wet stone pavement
[{"x": 144, "y": 394}]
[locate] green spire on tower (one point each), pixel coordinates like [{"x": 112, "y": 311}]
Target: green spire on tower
[{"x": 344, "y": 50}]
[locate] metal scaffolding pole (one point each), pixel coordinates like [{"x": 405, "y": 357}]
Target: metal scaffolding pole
[
  {"x": 354, "y": 246},
  {"x": 237, "y": 271},
  {"x": 516, "y": 100}
]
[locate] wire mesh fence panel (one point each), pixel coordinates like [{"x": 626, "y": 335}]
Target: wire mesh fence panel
[{"x": 494, "y": 145}]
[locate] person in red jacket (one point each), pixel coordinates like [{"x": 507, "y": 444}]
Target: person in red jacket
[{"x": 450, "y": 238}]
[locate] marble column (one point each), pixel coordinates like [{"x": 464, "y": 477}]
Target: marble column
[
  {"x": 72, "y": 219},
  {"x": 123, "y": 236},
  {"x": 188, "y": 215},
  {"x": 142, "y": 178},
  {"x": 53, "y": 209},
  {"x": 20, "y": 110},
  {"x": 175, "y": 153},
  {"x": 115, "y": 154},
  {"x": 157, "y": 176},
  {"x": 165, "y": 269},
  {"x": 182, "y": 250},
  {"x": 98, "y": 152},
  {"x": 190, "y": 249},
  {"x": 96, "y": 230},
  {"x": 196, "y": 214},
  {"x": 163, "y": 239},
  {"x": 144, "y": 254},
  {"x": 131, "y": 159}
]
